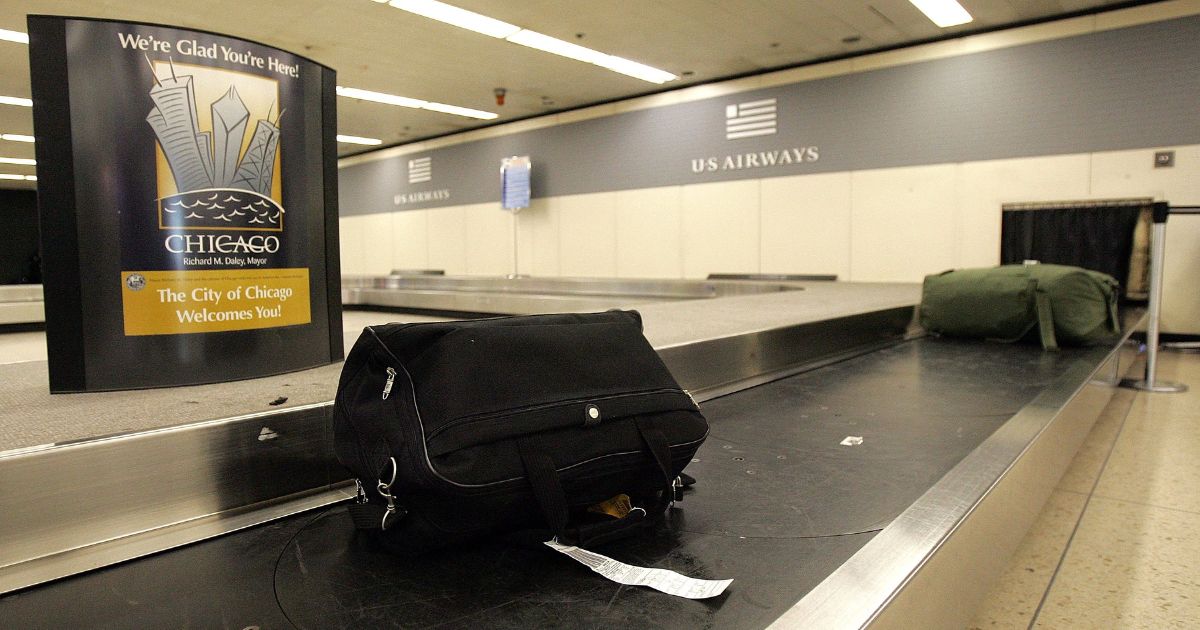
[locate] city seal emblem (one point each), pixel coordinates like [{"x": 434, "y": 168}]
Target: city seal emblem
[{"x": 135, "y": 282}]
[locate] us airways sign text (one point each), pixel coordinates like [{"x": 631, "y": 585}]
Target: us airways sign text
[
  {"x": 403, "y": 199},
  {"x": 756, "y": 159}
]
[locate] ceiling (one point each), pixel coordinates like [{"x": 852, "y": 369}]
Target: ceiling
[{"x": 376, "y": 47}]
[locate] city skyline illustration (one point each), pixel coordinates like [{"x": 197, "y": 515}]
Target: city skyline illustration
[{"x": 212, "y": 159}]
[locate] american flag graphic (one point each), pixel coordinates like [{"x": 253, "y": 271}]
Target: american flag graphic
[
  {"x": 754, "y": 118},
  {"x": 420, "y": 170}
]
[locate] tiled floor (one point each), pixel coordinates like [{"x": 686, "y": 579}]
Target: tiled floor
[{"x": 1118, "y": 543}]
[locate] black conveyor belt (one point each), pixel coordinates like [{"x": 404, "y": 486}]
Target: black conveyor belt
[{"x": 779, "y": 505}]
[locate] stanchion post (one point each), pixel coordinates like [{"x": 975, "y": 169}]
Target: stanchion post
[
  {"x": 516, "y": 246},
  {"x": 1158, "y": 245}
]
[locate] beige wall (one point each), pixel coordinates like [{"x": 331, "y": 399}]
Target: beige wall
[
  {"x": 894, "y": 224},
  {"x": 878, "y": 225}
]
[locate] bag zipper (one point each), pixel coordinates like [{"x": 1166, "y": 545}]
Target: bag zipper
[
  {"x": 596, "y": 466},
  {"x": 457, "y": 422},
  {"x": 391, "y": 380}
]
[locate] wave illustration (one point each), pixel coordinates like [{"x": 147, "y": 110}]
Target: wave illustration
[{"x": 236, "y": 208}]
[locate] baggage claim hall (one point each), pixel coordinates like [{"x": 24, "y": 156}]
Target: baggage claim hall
[{"x": 559, "y": 314}]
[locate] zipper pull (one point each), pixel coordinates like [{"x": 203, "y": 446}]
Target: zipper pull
[{"x": 391, "y": 380}]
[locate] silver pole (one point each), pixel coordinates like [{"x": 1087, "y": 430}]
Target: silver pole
[
  {"x": 516, "y": 246},
  {"x": 1158, "y": 245}
]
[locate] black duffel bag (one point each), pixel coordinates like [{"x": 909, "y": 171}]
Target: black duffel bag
[{"x": 458, "y": 431}]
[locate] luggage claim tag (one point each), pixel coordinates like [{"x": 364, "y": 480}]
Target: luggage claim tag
[
  {"x": 664, "y": 580},
  {"x": 617, "y": 507}
]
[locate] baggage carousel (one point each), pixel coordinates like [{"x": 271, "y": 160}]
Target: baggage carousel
[
  {"x": 21, "y": 304},
  {"x": 961, "y": 443}
]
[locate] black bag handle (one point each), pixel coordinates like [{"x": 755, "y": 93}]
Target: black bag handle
[
  {"x": 549, "y": 494},
  {"x": 547, "y": 488}
]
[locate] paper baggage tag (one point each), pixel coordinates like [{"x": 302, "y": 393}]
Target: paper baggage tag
[
  {"x": 664, "y": 580},
  {"x": 617, "y": 507}
]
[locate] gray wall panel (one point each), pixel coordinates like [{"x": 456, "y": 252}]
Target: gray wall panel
[{"x": 1120, "y": 89}]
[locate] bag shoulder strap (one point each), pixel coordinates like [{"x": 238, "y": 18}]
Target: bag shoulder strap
[
  {"x": 1114, "y": 319},
  {"x": 1045, "y": 320},
  {"x": 367, "y": 516}
]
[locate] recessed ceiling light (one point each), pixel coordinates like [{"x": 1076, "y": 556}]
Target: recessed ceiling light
[
  {"x": 404, "y": 101},
  {"x": 549, "y": 44},
  {"x": 944, "y": 13},
  {"x": 21, "y": 161},
  {"x": 545, "y": 43},
  {"x": 28, "y": 178},
  {"x": 16, "y": 137},
  {"x": 14, "y": 36},
  {"x": 359, "y": 140},
  {"x": 455, "y": 16},
  {"x": 479, "y": 23},
  {"x": 379, "y": 97},
  {"x": 16, "y": 100},
  {"x": 459, "y": 111},
  {"x": 636, "y": 70}
]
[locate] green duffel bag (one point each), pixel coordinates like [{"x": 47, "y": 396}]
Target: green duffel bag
[{"x": 1067, "y": 305}]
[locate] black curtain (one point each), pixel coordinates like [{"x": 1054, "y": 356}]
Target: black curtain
[
  {"x": 19, "y": 261},
  {"x": 1093, "y": 237}
]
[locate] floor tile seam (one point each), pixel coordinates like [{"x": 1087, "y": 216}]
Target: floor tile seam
[
  {"x": 18, "y": 362},
  {"x": 1096, "y": 475},
  {"x": 1145, "y": 504},
  {"x": 1174, "y": 413},
  {"x": 1161, "y": 411},
  {"x": 1082, "y": 513}
]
